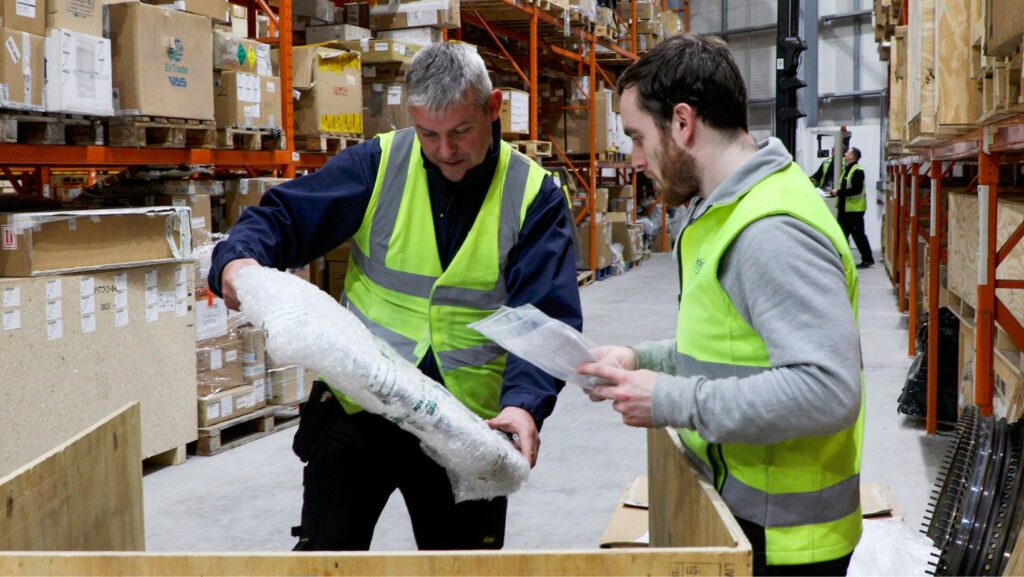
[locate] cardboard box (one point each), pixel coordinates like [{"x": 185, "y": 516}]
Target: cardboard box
[
  {"x": 644, "y": 11},
  {"x": 218, "y": 364},
  {"x": 443, "y": 14},
  {"x": 340, "y": 253},
  {"x": 245, "y": 192},
  {"x": 240, "y": 54},
  {"x": 631, "y": 237},
  {"x": 254, "y": 345},
  {"x": 82, "y": 16},
  {"x": 23, "y": 16},
  {"x": 336, "y": 278},
  {"x": 629, "y": 524},
  {"x": 340, "y": 32},
  {"x": 217, "y": 10},
  {"x": 229, "y": 404},
  {"x": 288, "y": 384},
  {"x": 601, "y": 200},
  {"x": 383, "y": 74},
  {"x": 241, "y": 100},
  {"x": 356, "y": 14},
  {"x": 621, "y": 205},
  {"x": 81, "y": 346},
  {"x": 330, "y": 84},
  {"x": 671, "y": 23},
  {"x": 422, "y": 36},
  {"x": 648, "y": 27},
  {"x": 316, "y": 11},
  {"x": 604, "y": 253},
  {"x": 624, "y": 191},
  {"x": 21, "y": 70},
  {"x": 572, "y": 129},
  {"x": 162, "y": 61},
  {"x": 270, "y": 93},
  {"x": 386, "y": 108},
  {"x": 40, "y": 243},
  {"x": 515, "y": 111},
  {"x": 377, "y": 51},
  {"x": 78, "y": 73}
]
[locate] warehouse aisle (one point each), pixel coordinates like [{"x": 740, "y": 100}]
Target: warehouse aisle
[{"x": 248, "y": 498}]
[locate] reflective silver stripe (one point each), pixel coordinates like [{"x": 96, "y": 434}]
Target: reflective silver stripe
[
  {"x": 513, "y": 193},
  {"x": 391, "y": 191},
  {"x": 417, "y": 285},
  {"x": 477, "y": 356},
  {"x": 687, "y": 366},
  {"x": 402, "y": 345},
  {"x": 697, "y": 462},
  {"x": 792, "y": 509}
]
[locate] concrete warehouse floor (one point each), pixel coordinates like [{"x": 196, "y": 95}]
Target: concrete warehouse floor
[{"x": 247, "y": 499}]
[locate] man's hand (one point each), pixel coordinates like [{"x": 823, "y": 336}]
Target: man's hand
[
  {"x": 227, "y": 280},
  {"x": 631, "y": 394},
  {"x": 519, "y": 422},
  {"x": 621, "y": 357}
]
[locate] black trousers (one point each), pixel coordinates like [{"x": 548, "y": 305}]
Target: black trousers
[
  {"x": 755, "y": 533},
  {"x": 353, "y": 465},
  {"x": 852, "y": 224}
]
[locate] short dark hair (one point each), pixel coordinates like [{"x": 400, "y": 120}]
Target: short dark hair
[
  {"x": 693, "y": 69},
  {"x": 856, "y": 153}
]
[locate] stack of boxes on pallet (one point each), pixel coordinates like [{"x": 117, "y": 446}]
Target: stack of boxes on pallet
[
  {"x": 650, "y": 27},
  {"x": 618, "y": 238},
  {"x": 97, "y": 311}
]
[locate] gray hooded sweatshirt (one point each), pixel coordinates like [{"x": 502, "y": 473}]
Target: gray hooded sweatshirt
[{"x": 787, "y": 281}]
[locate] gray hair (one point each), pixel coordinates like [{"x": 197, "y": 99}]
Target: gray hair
[{"x": 441, "y": 73}]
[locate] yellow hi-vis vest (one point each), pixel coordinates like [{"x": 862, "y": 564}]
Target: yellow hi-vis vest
[
  {"x": 395, "y": 283},
  {"x": 857, "y": 202},
  {"x": 804, "y": 491}
]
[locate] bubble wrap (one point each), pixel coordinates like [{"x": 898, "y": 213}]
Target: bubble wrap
[{"x": 306, "y": 327}]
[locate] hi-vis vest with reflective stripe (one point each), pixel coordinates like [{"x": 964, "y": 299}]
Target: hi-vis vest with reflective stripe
[
  {"x": 824, "y": 173},
  {"x": 857, "y": 202},
  {"x": 804, "y": 491},
  {"x": 395, "y": 283}
]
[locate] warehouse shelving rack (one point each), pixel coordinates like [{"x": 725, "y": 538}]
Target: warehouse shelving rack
[
  {"x": 28, "y": 167},
  {"x": 988, "y": 145}
]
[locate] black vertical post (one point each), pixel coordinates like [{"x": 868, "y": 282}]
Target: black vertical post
[{"x": 788, "y": 48}]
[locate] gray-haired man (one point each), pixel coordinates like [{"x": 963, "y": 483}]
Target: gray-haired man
[{"x": 447, "y": 224}]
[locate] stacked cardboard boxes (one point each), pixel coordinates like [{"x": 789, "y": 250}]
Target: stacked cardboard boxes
[
  {"x": 22, "y": 26},
  {"x": 242, "y": 193},
  {"x": 247, "y": 93},
  {"x": 647, "y": 27},
  {"x": 329, "y": 83}
]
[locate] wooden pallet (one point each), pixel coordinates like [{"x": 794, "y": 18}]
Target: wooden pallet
[
  {"x": 242, "y": 430},
  {"x": 26, "y": 127},
  {"x": 603, "y": 273},
  {"x": 554, "y": 7},
  {"x": 330, "y": 143},
  {"x": 159, "y": 132},
  {"x": 584, "y": 278},
  {"x": 232, "y": 138},
  {"x": 533, "y": 148}
]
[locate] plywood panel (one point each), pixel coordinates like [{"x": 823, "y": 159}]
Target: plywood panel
[
  {"x": 84, "y": 495},
  {"x": 914, "y": 68},
  {"x": 897, "y": 88},
  {"x": 956, "y": 93}
]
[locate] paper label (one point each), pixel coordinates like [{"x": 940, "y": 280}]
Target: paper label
[
  {"x": 226, "y": 407},
  {"x": 88, "y": 323},
  {"x": 121, "y": 318},
  {"x": 26, "y": 8},
  {"x": 421, "y": 18},
  {"x": 87, "y": 286},
  {"x": 298, "y": 386},
  {"x": 394, "y": 95},
  {"x": 152, "y": 313},
  {"x": 212, "y": 411},
  {"x": 54, "y": 329},
  {"x": 12, "y": 297},
  {"x": 380, "y": 46},
  {"x": 216, "y": 359},
  {"x": 121, "y": 281},
  {"x": 151, "y": 278},
  {"x": 53, "y": 289},
  {"x": 88, "y": 304},
  {"x": 180, "y": 309},
  {"x": 271, "y": 88},
  {"x": 121, "y": 300},
  {"x": 12, "y": 319},
  {"x": 10, "y": 239},
  {"x": 12, "y": 47},
  {"x": 369, "y": 71},
  {"x": 231, "y": 356},
  {"x": 199, "y": 222},
  {"x": 258, "y": 389},
  {"x": 181, "y": 291},
  {"x": 166, "y": 302},
  {"x": 72, "y": 223},
  {"x": 54, "y": 310},
  {"x": 179, "y": 276},
  {"x": 152, "y": 295}
]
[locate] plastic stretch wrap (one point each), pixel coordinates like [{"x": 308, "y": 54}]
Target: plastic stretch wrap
[
  {"x": 305, "y": 326},
  {"x": 890, "y": 547}
]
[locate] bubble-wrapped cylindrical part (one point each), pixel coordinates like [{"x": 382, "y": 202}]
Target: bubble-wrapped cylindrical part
[{"x": 306, "y": 327}]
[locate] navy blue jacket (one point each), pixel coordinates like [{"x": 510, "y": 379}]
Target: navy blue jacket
[{"x": 303, "y": 219}]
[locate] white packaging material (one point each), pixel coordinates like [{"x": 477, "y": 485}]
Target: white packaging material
[
  {"x": 422, "y": 36},
  {"x": 890, "y": 547},
  {"x": 551, "y": 345},
  {"x": 78, "y": 73},
  {"x": 306, "y": 327}
]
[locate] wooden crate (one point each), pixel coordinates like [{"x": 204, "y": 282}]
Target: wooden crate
[
  {"x": 897, "y": 85},
  {"x": 692, "y": 533},
  {"x": 955, "y": 105}
]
